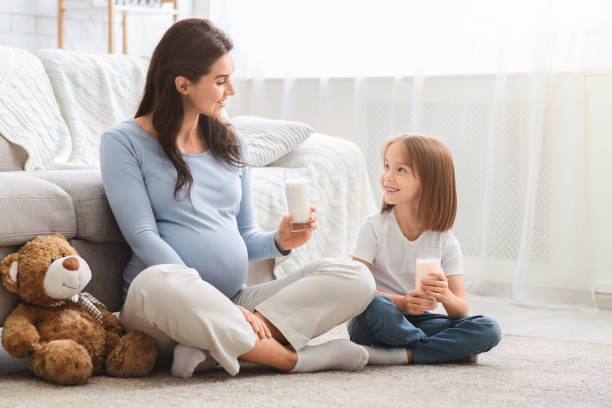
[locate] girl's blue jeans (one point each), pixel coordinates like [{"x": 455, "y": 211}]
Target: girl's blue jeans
[{"x": 433, "y": 338}]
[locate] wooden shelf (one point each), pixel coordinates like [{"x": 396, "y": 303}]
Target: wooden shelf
[{"x": 113, "y": 9}]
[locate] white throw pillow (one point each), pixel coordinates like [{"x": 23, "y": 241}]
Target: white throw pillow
[{"x": 269, "y": 140}]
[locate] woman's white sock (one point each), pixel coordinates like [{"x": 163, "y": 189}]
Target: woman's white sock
[
  {"x": 386, "y": 355},
  {"x": 188, "y": 360},
  {"x": 340, "y": 354}
]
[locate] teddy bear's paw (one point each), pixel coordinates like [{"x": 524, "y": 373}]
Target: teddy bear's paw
[
  {"x": 62, "y": 362},
  {"x": 134, "y": 356}
]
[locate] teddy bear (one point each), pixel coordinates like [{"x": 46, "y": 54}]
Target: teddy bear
[{"x": 68, "y": 335}]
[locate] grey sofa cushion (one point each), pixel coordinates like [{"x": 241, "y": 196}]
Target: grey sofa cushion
[
  {"x": 8, "y": 300},
  {"x": 106, "y": 261},
  {"x": 30, "y": 206},
  {"x": 94, "y": 219},
  {"x": 12, "y": 157}
]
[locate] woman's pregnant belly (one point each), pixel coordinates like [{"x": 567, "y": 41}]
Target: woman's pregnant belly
[{"x": 219, "y": 255}]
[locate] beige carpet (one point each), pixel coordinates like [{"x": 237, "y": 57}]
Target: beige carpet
[{"x": 520, "y": 372}]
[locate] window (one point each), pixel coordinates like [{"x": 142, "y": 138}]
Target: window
[{"x": 340, "y": 38}]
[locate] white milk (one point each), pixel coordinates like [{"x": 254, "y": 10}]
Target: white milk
[
  {"x": 298, "y": 199},
  {"x": 423, "y": 268}
]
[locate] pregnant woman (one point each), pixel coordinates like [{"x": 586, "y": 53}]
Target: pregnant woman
[{"x": 178, "y": 182}]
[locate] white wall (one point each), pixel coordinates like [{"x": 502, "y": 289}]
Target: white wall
[{"x": 32, "y": 24}]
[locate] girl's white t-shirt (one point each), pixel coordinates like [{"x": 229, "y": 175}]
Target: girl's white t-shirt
[{"x": 381, "y": 243}]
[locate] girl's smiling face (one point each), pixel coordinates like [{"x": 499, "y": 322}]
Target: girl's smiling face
[{"x": 400, "y": 184}]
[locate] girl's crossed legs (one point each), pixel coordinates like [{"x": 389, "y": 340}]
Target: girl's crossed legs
[{"x": 428, "y": 338}]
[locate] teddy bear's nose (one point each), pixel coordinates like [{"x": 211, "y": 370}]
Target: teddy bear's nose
[{"x": 71, "y": 263}]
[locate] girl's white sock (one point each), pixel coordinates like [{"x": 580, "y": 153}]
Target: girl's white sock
[
  {"x": 188, "y": 360},
  {"x": 340, "y": 354},
  {"x": 386, "y": 355}
]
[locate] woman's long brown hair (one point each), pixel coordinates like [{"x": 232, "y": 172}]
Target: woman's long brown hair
[{"x": 189, "y": 48}]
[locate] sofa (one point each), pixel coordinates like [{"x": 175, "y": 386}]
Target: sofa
[{"x": 55, "y": 104}]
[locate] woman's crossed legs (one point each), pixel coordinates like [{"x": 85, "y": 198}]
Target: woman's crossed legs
[{"x": 173, "y": 304}]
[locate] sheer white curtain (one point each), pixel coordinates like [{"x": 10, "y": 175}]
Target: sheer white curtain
[{"x": 502, "y": 83}]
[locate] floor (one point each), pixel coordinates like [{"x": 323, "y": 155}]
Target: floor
[
  {"x": 514, "y": 319},
  {"x": 567, "y": 325}
]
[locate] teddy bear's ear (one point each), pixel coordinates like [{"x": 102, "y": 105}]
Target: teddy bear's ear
[
  {"x": 10, "y": 265},
  {"x": 61, "y": 236}
]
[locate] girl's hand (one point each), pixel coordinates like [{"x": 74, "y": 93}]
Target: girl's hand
[
  {"x": 436, "y": 286},
  {"x": 416, "y": 302},
  {"x": 256, "y": 323},
  {"x": 285, "y": 239}
]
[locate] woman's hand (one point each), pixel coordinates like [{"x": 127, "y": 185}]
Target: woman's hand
[
  {"x": 256, "y": 323},
  {"x": 285, "y": 239},
  {"x": 415, "y": 302},
  {"x": 436, "y": 286}
]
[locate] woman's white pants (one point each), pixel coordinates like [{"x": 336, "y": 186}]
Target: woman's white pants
[{"x": 171, "y": 303}]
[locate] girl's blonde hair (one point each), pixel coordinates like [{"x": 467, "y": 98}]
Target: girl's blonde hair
[{"x": 432, "y": 162}]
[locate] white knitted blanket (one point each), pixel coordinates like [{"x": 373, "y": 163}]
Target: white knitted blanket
[
  {"x": 29, "y": 113},
  {"x": 340, "y": 192},
  {"x": 94, "y": 92}
]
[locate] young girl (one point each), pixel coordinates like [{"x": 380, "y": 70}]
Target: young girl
[{"x": 418, "y": 210}]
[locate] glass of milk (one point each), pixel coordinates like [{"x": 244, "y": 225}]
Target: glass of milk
[
  {"x": 428, "y": 260},
  {"x": 298, "y": 198}
]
